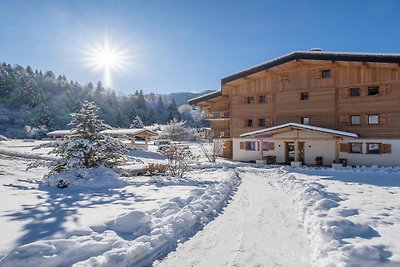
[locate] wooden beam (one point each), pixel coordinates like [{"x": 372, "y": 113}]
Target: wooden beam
[
  {"x": 337, "y": 149},
  {"x": 296, "y": 146}
]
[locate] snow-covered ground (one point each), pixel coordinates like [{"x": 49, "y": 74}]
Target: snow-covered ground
[{"x": 279, "y": 216}]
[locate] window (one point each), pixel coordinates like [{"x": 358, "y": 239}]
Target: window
[
  {"x": 261, "y": 122},
  {"x": 304, "y": 96},
  {"x": 250, "y": 145},
  {"x": 356, "y": 148},
  {"x": 373, "y": 90},
  {"x": 305, "y": 120},
  {"x": 249, "y": 123},
  {"x": 250, "y": 99},
  {"x": 263, "y": 99},
  {"x": 373, "y": 148},
  {"x": 373, "y": 119},
  {"x": 355, "y": 120},
  {"x": 326, "y": 74},
  {"x": 266, "y": 146},
  {"x": 354, "y": 92}
]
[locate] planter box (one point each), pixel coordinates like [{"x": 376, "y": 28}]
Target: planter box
[
  {"x": 337, "y": 165},
  {"x": 296, "y": 163}
]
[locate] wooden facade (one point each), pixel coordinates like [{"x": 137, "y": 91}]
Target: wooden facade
[{"x": 273, "y": 96}]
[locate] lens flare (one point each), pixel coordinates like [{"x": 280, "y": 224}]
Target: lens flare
[{"x": 108, "y": 58}]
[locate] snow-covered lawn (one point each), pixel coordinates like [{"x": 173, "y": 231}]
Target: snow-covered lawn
[
  {"x": 132, "y": 224},
  {"x": 279, "y": 216}
]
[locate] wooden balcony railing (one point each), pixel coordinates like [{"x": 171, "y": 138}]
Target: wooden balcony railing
[
  {"x": 215, "y": 115},
  {"x": 218, "y": 134}
]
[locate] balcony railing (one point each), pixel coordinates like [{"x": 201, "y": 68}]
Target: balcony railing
[
  {"x": 217, "y": 115},
  {"x": 218, "y": 134}
]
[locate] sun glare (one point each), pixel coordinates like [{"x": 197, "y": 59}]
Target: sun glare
[{"x": 107, "y": 58}]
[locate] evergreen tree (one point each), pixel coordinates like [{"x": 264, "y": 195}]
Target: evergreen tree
[
  {"x": 136, "y": 123},
  {"x": 118, "y": 119},
  {"x": 87, "y": 146}
]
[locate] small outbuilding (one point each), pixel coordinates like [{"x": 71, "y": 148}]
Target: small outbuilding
[{"x": 133, "y": 134}]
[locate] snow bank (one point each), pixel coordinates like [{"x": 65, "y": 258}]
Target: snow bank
[
  {"x": 330, "y": 231},
  {"x": 98, "y": 177},
  {"x": 135, "y": 238}
]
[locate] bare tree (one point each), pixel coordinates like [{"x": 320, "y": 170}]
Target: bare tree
[
  {"x": 179, "y": 159},
  {"x": 212, "y": 149}
]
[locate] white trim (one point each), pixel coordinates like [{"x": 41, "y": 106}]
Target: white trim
[{"x": 303, "y": 126}]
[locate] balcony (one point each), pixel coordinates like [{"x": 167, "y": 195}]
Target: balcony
[
  {"x": 218, "y": 134},
  {"x": 217, "y": 115}
]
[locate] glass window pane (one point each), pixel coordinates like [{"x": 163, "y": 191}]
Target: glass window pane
[
  {"x": 373, "y": 148},
  {"x": 373, "y": 119},
  {"x": 373, "y": 90},
  {"x": 355, "y": 120},
  {"x": 356, "y": 147},
  {"x": 354, "y": 92}
]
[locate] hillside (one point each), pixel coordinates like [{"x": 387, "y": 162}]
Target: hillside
[{"x": 33, "y": 102}]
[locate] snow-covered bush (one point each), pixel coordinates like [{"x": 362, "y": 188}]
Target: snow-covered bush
[
  {"x": 35, "y": 132},
  {"x": 87, "y": 147},
  {"x": 179, "y": 159},
  {"x": 155, "y": 168},
  {"x": 177, "y": 131}
]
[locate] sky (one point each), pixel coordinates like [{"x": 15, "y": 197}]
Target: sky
[{"x": 176, "y": 46}]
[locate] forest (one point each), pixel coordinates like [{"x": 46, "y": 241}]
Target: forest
[{"x": 33, "y": 102}]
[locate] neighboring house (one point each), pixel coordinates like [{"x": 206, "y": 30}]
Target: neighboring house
[{"x": 343, "y": 107}]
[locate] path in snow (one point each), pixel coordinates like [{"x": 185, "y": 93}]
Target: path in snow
[{"x": 258, "y": 228}]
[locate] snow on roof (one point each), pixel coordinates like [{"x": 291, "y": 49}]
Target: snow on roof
[
  {"x": 204, "y": 97},
  {"x": 314, "y": 55},
  {"x": 128, "y": 131},
  {"x": 59, "y": 132},
  {"x": 303, "y": 126}
]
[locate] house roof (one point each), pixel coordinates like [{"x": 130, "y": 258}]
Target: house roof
[
  {"x": 303, "y": 127},
  {"x": 314, "y": 55},
  {"x": 205, "y": 97},
  {"x": 60, "y": 133},
  {"x": 128, "y": 131}
]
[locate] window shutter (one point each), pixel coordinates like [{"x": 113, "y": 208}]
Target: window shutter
[
  {"x": 386, "y": 148},
  {"x": 242, "y": 145},
  {"x": 343, "y": 92},
  {"x": 384, "y": 118},
  {"x": 345, "y": 147},
  {"x": 318, "y": 74},
  {"x": 385, "y": 89},
  {"x": 344, "y": 119}
]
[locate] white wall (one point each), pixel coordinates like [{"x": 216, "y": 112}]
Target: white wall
[
  {"x": 323, "y": 148},
  {"x": 392, "y": 159}
]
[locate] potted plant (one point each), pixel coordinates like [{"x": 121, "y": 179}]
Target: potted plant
[{"x": 318, "y": 161}]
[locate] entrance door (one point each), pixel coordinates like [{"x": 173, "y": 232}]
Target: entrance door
[{"x": 289, "y": 152}]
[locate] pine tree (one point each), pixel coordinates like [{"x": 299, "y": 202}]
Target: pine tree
[
  {"x": 86, "y": 146},
  {"x": 137, "y": 123},
  {"x": 118, "y": 119}
]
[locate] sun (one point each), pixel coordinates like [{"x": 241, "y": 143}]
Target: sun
[{"x": 107, "y": 58}]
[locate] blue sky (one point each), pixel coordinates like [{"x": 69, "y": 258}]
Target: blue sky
[{"x": 187, "y": 45}]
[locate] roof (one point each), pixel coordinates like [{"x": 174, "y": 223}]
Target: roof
[
  {"x": 59, "y": 133},
  {"x": 205, "y": 97},
  {"x": 315, "y": 55},
  {"x": 128, "y": 131},
  {"x": 301, "y": 126}
]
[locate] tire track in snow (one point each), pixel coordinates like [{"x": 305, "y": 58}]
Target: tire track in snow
[{"x": 258, "y": 228}]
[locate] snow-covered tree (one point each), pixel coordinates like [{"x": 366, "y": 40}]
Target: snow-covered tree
[
  {"x": 86, "y": 146},
  {"x": 177, "y": 131},
  {"x": 137, "y": 123}
]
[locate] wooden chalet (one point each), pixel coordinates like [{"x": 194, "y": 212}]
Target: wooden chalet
[{"x": 355, "y": 93}]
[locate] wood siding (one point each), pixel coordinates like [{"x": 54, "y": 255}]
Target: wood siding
[{"x": 329, "y": 104}]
